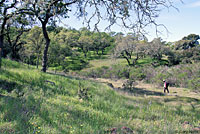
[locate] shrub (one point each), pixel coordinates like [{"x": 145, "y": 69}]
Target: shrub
[
  {"x": 136, "y": 74},
  {"x": 194, "y": 84},
  {"x": 129, "y": 85},
  {"x": 184, "y": 75},
  {"x": 83, "y": 93}
]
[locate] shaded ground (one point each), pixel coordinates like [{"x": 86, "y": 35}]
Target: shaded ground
[
  {"x": 8, "y": 86},
  {"x": 148, "y": 90},
  {"x": 117, "y": 83},
  {"x": 140, "y": 96}
]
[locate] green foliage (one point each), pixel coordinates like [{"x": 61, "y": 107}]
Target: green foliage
[
  {"x": 194, "y": 84},
  {"x": 75, "y": 63},
  {"x": 173, "y": 58},
  {"x": 69, "y": 49},
  {"x": 129, "y": 48},
  {"x": 136, "y": 74},
  {"x": 185, "y": 75},
  {"x": 56, "y": 108},
  {"x": 187, "y": 42},
  {"x": 191, "y": 55},
  {"x": 117, "y": 72},
  {"x": 102, "y": 41}
]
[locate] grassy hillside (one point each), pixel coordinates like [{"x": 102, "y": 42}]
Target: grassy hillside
[
  {"x": 33, "y": 102},
  {"x": 97, "y": 63}
]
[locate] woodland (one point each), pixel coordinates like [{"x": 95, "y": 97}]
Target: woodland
[{"x": 56, "y": 79}]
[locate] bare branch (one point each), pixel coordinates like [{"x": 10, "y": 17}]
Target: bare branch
[{"x": 132, "y": 14}]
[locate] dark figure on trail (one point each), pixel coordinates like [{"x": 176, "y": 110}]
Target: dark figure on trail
[{"x": 166, "y": 85}]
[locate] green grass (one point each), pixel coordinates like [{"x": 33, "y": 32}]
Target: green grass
[
  {"x": 30, "y": 105},
  {"x": 104, "y": 62},
  {"x": 97, "y": 63}
]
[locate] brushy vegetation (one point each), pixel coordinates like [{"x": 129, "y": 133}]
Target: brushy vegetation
[
  {"x": 33, "y": 102},
  {"x": 183, "y": 75}
]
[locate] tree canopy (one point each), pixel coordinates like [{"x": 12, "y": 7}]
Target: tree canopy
[
  {"x": 135, "y": 14},
  {"x": 187, "y": 42}
]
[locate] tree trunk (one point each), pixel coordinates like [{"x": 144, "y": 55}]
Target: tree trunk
[
  {"x": 135, "y": 60},
  {"x": 14, "y": 54},
  {"x": 129, "y": 63},
  {"x": 1, "y": 40},
  {"x": 2, "y": 36},
  {"x": 102, "y": 52},
  {"x": 85, "y": 54},
  {"x": 37, "y": 61},
  {"x": 98, "y": 54},
  {"x": 1, "y": 46},
  {"x": 47, "y": 42}
]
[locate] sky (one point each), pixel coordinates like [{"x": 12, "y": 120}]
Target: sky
[{"x": 179, "y": 23}]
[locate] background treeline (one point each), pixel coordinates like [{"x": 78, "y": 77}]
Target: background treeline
[
  {"x": 69, "y": 48},
  {"x": 72, "y": 49},
  {"x": 177, "y": 62}
]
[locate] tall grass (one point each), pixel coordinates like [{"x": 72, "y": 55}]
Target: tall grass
[
  {"x": 49, "y": 104},
  {"x": 183, "y": 75}
]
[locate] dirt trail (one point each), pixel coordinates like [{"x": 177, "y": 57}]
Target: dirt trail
[
  {"x": 174, "y": 91},
  {"x": 176, "y": 97},
  {"x": 148, "y": 90}
]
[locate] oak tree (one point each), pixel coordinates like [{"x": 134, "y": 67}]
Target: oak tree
[{"x": 133, "y": 14}]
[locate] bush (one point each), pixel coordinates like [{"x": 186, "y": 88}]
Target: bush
[
  {"x": 188, "y": 56},
  {"x": 129, "y": 85},
  {"x": 194, "y": 84},
  {"x": 184, "y": 75},
  {"x": 137, "y": 74},
  {"x": 116, "y": 72}
]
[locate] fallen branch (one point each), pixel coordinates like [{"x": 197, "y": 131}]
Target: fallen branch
[{"x": 53, "y": 83}]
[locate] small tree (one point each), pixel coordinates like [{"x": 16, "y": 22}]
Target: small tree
[
  {"x": 85, "y": 44},
  {"x": 7, "y": 11},
  {"x": 34, "y": 42},
  {"x": 130, "y": 49},
  {"x": 100, "y": 42},
  {"x": 187, "y": 42},
  {"x": 155, "y": 49},
  {"x": 16, "y": 27}
]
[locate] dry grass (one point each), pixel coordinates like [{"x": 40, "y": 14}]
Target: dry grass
[
  {"x": 176, "y": 97},
  {"x": 105, "y": 62}
]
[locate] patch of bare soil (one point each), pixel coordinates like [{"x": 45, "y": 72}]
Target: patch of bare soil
[{"x": 176, "y": 95}]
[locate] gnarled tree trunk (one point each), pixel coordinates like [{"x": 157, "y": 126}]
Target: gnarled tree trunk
[
  {"x": 47, "y": 42},
  {"x": 1, "y": 47}
]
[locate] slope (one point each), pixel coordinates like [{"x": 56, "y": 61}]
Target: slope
[{"x": 35, "y": 102}]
